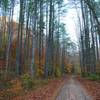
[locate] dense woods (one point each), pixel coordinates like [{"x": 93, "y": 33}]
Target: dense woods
[{"x": 37, "y": 43}]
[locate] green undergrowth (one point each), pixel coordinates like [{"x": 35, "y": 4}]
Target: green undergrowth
[
  {"x": 5, "y": 85},
  {"x": 25, "y": 84},
  {"x": 30, "y": 83},
  {"x": 91, "y": 76},
  {"x": 21, "y": 85}
]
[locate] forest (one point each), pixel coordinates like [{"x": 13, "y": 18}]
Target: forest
[{"x": 36, "y": 49}]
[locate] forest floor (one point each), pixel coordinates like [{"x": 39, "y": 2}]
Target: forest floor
[
  {"x": 44, "y": 90},
  {"x": 92, "y": 87}
]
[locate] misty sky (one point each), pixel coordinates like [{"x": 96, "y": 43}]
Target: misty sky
[{"x": 70, "y": 19}]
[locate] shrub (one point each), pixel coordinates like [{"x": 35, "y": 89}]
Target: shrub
[
  {"x": 39, "y": 72},
  {"x": 5, "y": 85},
  {"x": 57, "y": 72},
  {"x": 93, "y": 76},
  {"x": 27, "y": 81}
]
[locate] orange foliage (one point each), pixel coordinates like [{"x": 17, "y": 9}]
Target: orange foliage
[
  {"x": 40, "y": 61},
  {"x": 69, "y": 68},
  {"x": 68, "y": 65}
]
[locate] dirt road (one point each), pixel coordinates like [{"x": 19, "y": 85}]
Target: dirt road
[{"x": 73, "y": 91}]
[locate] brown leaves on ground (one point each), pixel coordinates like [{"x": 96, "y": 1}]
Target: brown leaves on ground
[
  {"x": 93, "y": 87},
  {"x": 16, "y": 87},
  {"x": 47, "y": 92},
  {"x": 12, "y": 90}
]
